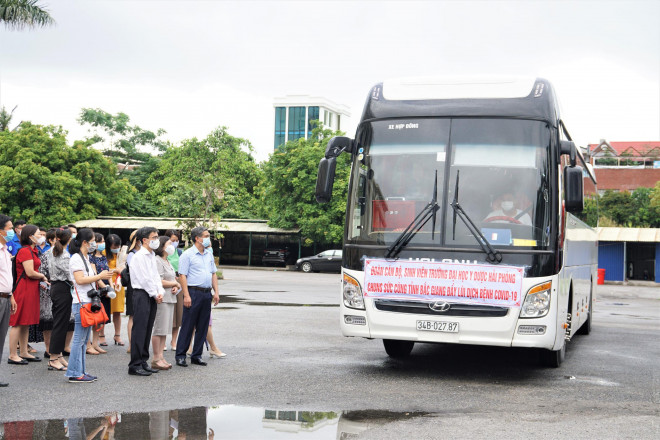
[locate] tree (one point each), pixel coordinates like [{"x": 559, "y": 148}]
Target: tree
[
  {"x": 49, "y": 183},
  {"x": 125, "y": 140},
  {"x": 641, "y": 209},
  {"x": 206, "y": 179},
  {"x": 18, "y": 14},
  {"x": 655, "y": 198},
  {"x": 288, "y": 189},
  {"x": 5, "y": 118},
  {"x": 590, "y": 213},
  {"x": 125, "y": 146}
]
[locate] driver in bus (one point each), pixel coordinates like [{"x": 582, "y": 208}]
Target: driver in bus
[{"x": 507, "y": 212}]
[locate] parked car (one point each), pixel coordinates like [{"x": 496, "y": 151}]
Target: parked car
[
  {"x": 328, "y": 261},
  {"x": 275, "y": 256}
]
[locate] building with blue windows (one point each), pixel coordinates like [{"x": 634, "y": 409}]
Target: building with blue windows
[{"x": 294, "y": 115}]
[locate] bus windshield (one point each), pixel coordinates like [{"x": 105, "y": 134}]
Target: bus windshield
[{"x": 503, "y": 183}]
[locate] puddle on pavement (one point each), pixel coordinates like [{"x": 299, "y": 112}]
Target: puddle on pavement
[
  {"x": 233, "y": 299},
  {"x": 226, "y": 421}
]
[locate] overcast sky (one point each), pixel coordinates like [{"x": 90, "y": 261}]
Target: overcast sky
[{"x": 188, "y": 66}]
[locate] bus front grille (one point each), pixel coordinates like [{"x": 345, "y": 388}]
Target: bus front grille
[{"x": 423, "y": 308}]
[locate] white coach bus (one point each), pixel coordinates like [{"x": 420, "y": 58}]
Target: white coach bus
[{"x": 459, "y": 223}]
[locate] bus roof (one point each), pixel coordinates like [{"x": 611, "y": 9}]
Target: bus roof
[{"x": 528, "y": 98}]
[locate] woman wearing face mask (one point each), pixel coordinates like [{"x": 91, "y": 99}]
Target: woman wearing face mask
[
  {"x": 85, "y": 279},
  {"x": 99, "y": 260},
  {"x": 35, "y": 332},
  {"x": 132, "y": 250},
  {"x": 112, "y": 249},
  {"x": 60, "y": 294},
  {"x": 45, "y": 302},
  {"x": 165, "y": 310},
  {"x": 178, "y": 308},
  {"x": 26, "y": 296}
]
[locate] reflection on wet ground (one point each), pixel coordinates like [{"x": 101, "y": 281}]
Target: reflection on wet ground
[
  {"x": 229, "y": 299},
  {"x": 225, "y": 422}
]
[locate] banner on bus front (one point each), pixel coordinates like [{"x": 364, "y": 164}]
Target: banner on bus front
[{"x": 451, "y": 282}]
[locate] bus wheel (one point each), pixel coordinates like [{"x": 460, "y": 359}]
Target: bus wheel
[
  {"x": 553, "y": 358},
  {"x": 398, "y": 349}
]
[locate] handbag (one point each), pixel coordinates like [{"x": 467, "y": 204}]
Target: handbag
[{"x": 88, "y": 317}]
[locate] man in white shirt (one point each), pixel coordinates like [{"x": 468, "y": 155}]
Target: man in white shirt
[
  {"x": 147, "y": 292},
  {"x": 7, "y": 302}
]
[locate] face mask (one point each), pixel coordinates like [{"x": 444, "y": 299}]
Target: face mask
[
  {"x": 169, "y": 250},
  {"x": 10, "y": 235},
  {"x": 507, "y": 206},
  {"x": 114, "y": 251},
  {"x": 73, "y": 236},
  {"x": 175, "y": 244},
  {"x": 91, "y": 247},
  {"x": 206, "y": 242},
  {"x": 101, "y": 247},
  {"x": 41, "y": 240},
  {"x": 154, "y": 244}
]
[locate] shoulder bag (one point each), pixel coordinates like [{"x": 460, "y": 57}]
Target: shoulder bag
[{"x": 89, "y": 318}]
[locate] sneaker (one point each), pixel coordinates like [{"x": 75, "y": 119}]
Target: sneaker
[
  {"x": 91, "y": 377},
  {"x": 82, "y": 379}
]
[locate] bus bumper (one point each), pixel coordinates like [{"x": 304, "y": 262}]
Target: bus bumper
[{"x": 505, "y": 331}]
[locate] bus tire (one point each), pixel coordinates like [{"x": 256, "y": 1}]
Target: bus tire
[
  {"x": 553, "y": 358},
  {"x": 586, "y": 327},
  {"x": 398, "y": 349}
]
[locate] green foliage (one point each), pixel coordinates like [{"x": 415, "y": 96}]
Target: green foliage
[
  {"x": 18, "y": 14},
  {"x": 126, "y": 149},
  {"x": 206, "y": 179},
  {"x": 641, "y": 209},
  {"x": 590, "y": 213},
  {"x": 124, "y": 140},
  {"x": 49, "y": 183},
  {"x": 5, "y": 118},
  {"x": 288, "y": 190},
  {"x": 655, "y": 197}
]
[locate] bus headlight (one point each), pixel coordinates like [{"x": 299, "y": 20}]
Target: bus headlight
[
  {"x": 352, "y": 293},
  {"x": 537, "y": 301}
]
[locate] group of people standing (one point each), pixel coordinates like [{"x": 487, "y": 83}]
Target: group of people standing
[{"x": 47, "y": 276}]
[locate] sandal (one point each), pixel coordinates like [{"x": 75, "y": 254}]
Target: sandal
[
  {"x": 62, "y": 361},
  {"x": 92, "y": 351},
  {"x": 51, "y": 367},
  {"x": 102, "y": 341},
  {"x": 118, "y": 341}
]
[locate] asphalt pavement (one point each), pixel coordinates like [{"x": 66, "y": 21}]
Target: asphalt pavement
[{"x": 280, "y": 330}]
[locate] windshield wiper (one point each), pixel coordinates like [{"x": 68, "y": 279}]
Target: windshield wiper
[
  {"x": 426, "y": 214},
  {"x": 492, "y": 255}
]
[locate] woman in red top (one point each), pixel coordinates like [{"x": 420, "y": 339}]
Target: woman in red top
[{"x": 26, "y": 296}]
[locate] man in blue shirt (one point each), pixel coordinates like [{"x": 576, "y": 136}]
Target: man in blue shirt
[
  {"x": 197, "y": 275},
  {"x": 15, "y": 244}
]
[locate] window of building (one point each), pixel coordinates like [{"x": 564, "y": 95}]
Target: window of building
[
  {"x": 312, "y": 115},
  {"x": 296, "y": 123},
  {"x": 280, "y": 126}
]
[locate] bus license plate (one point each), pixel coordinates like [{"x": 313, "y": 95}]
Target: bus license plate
[{"x": 438, "y": 326}]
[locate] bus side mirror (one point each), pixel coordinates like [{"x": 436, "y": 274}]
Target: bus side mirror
[
  {"x": 568, "y": 147},
  {"x": 573, "y": 192},
  {"x": 325, "y": 179},
  {"x": 338, "y": 145}
]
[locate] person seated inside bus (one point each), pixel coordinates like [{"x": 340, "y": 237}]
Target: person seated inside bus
[{"x": 505, "y": 211}]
